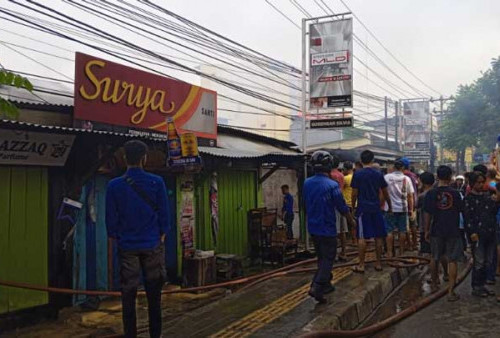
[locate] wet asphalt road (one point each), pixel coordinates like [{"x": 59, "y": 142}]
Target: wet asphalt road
[{"x": 468, "y": 317}]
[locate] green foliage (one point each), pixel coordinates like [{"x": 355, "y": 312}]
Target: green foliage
[
  {"x": 475, "y": 114},
  {"x": 8, "y": 109}
]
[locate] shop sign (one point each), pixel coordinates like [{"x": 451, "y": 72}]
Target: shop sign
[
  {"x": 341, "y": 122},
  {"x": 330, "y": 69},
  {"x": 32, "y": 148},
  {"x": 110, "y": 96}
]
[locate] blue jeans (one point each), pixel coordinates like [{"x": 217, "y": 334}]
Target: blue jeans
[
  {"x": 483, "y": 252},
  {"x": 326, "y": 249}
]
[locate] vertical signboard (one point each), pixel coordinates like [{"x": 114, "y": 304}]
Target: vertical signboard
[
  {"x": 187, "y": 215},
  {"x": 330, "y": 68},
  {"x": 417, "y": 130}
]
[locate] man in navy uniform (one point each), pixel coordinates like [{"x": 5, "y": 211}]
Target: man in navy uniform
[{"x": 323, "y": 198}]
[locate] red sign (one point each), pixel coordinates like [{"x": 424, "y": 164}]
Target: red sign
[{"x": 110, "y": 94}]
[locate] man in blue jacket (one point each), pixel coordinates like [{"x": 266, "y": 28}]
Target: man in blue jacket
[
  {"x": 322, "y": 197},
  {"x": 137, "y": 218}
]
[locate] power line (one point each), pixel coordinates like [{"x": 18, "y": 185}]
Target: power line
[
  {"x": 132, "y": 45},
  {"x": 387, "y": 50},
  {"x": 35, "y": 61},
  {"x": 300, "y": 8}
]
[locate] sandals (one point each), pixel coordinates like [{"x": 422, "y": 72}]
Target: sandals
[
  {"x": 453, "y": 297},
  {"x": 357, "y": 269},
  {"x": 480, "y": 293},
  {"x": 489, "y": 292}
]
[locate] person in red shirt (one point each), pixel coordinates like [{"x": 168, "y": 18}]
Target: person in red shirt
[{"x": 338, "y": 176}]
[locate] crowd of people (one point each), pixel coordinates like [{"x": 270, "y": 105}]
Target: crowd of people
[{"x": 440, "y": 215}]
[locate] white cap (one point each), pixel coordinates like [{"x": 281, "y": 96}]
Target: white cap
[{"x": 460, "y": 177}]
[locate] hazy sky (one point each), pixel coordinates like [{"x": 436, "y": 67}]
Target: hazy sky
[{"x": 444, "y": 42}]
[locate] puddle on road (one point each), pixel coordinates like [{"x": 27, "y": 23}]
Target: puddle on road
[{"x": 412, "y": 291}]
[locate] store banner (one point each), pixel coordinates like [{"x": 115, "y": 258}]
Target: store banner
[
  {"x": 417, "y": 133},
  {"x": 110, "y": 96},
  {"x": 214, "y": 207},
  {"x": 330, "y": 68},
  {"x": 187, "y": 215},
  {"x": 32, "y": 148}
]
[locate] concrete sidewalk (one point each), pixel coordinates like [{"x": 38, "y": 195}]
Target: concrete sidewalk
[{"x": 281, "y": 307}]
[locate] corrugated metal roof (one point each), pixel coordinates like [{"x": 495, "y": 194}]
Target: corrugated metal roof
[
  {"x": 41, "y": 95},
  {"x": 233, "y": 153},
  {"x": 72, "y": 130},
  {"x": 260, "y": 150}
]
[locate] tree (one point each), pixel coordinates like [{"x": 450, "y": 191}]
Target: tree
[
  {"x": 475, "y": 115},
  {"x": 7, "y": 108}
]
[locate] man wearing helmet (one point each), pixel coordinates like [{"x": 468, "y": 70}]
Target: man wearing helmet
[{"x": 323, "y": 198}]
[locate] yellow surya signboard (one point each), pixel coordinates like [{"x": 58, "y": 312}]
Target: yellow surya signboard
[{"x": 110, "y": 96}]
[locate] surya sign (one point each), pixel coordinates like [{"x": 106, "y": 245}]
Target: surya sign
[{"x": 111, "y": 96}]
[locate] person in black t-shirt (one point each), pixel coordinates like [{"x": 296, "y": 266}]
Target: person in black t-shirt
[
  {"x": 443, "y": 205},
  {"x": 481, "y": 224}
]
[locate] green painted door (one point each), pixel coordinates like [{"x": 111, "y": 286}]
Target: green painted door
[
  {"x": 23, "y": 235},
  {"x": 237, "y": 195}
]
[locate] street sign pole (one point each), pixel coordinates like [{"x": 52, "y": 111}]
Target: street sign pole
[
  {"x": 304, "y": 117},
  {"x": 304, "y": 105}
]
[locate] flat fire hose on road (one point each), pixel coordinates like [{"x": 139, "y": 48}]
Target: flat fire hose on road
[
  {"x": 398, "y": 262},
  {"x": 388, "y": 322}
]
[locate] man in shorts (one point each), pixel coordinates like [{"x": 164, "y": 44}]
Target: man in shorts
[
  {"x": 443, "y": 205},
  {"x": 366, "y": 185},
  {"x": 401, "y": 192}
]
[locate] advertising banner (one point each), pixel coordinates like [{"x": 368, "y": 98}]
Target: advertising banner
[
  {"x": 330, "y": 68},
  {"x": 110, "y": 96},
  {"x": 214, "y": 207},
  {"x": 187, "y": 215},
  {"x": 31, "y": 148},
  {"x": 417, "y": 133}
]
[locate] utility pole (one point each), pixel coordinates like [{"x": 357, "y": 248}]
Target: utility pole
[
  {"x": 396, "y": 123},
  {"x": 304, "y": 110},
  {"x": 441, "y": 100},
  {"x": 441, "y": 148},
  {"x": 431, "y": 145},
  {"x": 386, "y": 124}
]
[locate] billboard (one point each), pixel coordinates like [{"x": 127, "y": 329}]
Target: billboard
[
  {"x": 330, "y": 69},
  {"x": 114, "y": 97},
  {"x": 417, "y": 135}
]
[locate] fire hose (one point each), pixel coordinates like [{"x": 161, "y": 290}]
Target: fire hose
[
  {"x": 398, "y": 262},
  {"x": 388, "y": 322}
]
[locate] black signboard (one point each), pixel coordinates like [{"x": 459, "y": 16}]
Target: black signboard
[
  {"x": 339, "y": 101},
  {"x": 332, "y": 123}
]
